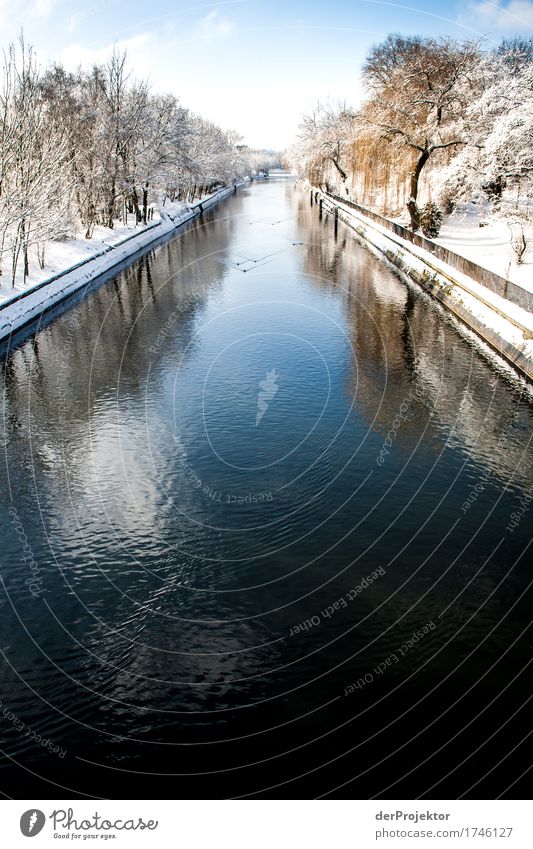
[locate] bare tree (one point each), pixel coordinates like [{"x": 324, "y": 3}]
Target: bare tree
[
  {"x": 35, "y": 185},
  {"x": 420, "y": 89},
  {"x": 94, "y": 147},
  {"x": 324, "y": 135}
]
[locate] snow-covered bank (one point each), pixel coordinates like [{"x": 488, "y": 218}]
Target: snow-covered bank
[
  {"x": 488, "y": 240},
  {"x": 505, "y": 326},
  {"x": 79, "y": 262},
  {"x": 475, "y": 232}
]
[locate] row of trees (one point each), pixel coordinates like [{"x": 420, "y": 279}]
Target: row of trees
[
  {"x": 263, "y": 161},
  {"x": 442, "y": 121},
  {"x": 87, "y": 148}
]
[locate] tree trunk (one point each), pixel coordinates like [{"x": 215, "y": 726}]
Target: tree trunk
[
  {"x": 23, "y": 245},
  {"x": 412, "y": 205},
  {"x": 110, "y": 212},
  {"x": 339, "y": 169},
  {"x": 135, "y": 201},
  {"x": 91, "y": 220},
  {"x": 145, "y": 202}
]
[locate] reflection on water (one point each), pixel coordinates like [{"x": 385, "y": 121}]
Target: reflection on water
[
  {"x": 164, "y": 540},
  {"x": 406, "y": 350}
]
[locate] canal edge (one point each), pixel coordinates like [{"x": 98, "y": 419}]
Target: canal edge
[
  {"x": 27, "y": 307},
  {"x": 443, "y": 285}
]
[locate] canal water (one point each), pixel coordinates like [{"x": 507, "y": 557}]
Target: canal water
[{"x": 264, "y": 530}]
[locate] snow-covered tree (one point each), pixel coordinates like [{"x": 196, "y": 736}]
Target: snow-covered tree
[
  {"x": 324, "y": 136},
  {"x": 90, "y": 147},
  {"x": 499, "y": 158},
  {"x": 420, "y": 90},
  {"x": 442, "y": 122},
  {"x": 35, "y": 184}
]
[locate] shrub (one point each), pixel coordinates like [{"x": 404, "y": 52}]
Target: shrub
[
  {"x": 494, "y": 188},
  {"x": 431, "y": 220}
]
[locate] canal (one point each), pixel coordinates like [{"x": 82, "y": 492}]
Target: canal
[{"x": 265, "y": 525}]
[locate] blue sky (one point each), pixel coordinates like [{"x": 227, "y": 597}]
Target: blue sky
[{"x": 250, "y": 65}]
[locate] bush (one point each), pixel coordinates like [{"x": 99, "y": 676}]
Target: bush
[
  {"x": 494, "y": 188},
  {"x": 431, "y": 220},
  {"x": 448, "y": 201}
]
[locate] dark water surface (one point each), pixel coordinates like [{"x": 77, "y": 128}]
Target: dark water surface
[{"x": 197, "y": 569}]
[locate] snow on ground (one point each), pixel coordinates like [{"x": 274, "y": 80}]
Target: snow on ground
[
  {"x": 506, "y": 319},
  {"x": 174, "y": 208},
  {"x": 489, "y": 246},
  {"x": 75, "y": 263},
  {"x": 63, "y": 255}
]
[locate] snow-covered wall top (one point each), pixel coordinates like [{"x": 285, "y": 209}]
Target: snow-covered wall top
[{"x": 505, "y": 288}]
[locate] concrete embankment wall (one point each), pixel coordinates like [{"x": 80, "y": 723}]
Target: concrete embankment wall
[
  {"x": 28, "y": 307},
  {"x": 497, "y": 284},
  {"x": 503, "y": 325}
]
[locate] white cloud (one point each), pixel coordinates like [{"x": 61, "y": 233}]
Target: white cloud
[
  {"x": 7, "y": 9},
  {"x": 139, "y": 57},
  {"x": 43, "y": 8},
  {"x": 18, "y": 11},
  {"x": 516, "y": 15},
  {"x": 213, "y": 26},
  {"x": 74, "y": 21}
]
